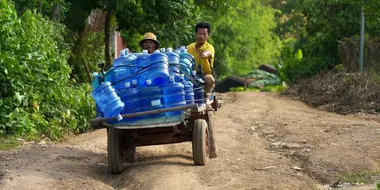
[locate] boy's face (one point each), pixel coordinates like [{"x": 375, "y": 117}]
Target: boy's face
[
  {"x": 149, "y": 45},
  {"x": 202, "y": 35}
]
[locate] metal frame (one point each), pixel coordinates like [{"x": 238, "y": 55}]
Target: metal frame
[
  {"x": 144, "y": 113},
  {"x": 158, "y": 134}
]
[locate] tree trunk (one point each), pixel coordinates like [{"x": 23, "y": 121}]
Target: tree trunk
[
  {"x": 86, "y": 67},
  {"x": 107, "y": 28},
  {"x": 55, "y": 12},
  {"x": 40, "y": 7}
]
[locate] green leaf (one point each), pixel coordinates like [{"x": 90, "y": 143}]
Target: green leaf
[
  {"x": 14, "y": 114},
  {"x": 19, "y": 97}
]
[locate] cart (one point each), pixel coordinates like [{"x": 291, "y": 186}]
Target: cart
[{"x": 195, "y": 125}]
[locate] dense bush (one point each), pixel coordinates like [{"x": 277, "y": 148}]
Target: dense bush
[
  {"x": 36, "y": 96},
  {"x": 340, "y": 92}
]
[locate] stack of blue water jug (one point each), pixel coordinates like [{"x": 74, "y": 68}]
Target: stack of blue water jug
[
  {"x": 108, "y": 101},
  {"x": 142, "y": 82}
]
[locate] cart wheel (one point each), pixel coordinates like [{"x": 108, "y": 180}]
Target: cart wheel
[
  {"x": 115, "y": 150},
  {"x": 130, "y": 155},
  {"x": 200, "y": 142},
  {"x": 210, "y": 123}
]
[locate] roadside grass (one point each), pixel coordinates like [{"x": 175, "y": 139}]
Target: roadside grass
[
  {"x": 366, "y": 177},
  {"x": 7, "y": 143}
]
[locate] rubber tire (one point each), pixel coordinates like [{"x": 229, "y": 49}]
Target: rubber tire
[
  {"x": 130, "y": 155},
  {"x": 213, "y": 149},
  {"x": 200, "y": 142},
  {"x": 115, "y": 151}
]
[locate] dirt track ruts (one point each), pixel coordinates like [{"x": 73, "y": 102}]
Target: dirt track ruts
[{"x": 264, "y": 142}]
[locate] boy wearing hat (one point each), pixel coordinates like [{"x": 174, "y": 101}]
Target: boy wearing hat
[{"x": 149, "y": 42}]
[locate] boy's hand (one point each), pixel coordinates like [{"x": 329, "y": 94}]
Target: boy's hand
[{"x": 204, "y": 54}]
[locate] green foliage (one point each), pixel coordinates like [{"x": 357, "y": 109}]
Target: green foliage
[
  {"x": 93, "y": 49},
  {"x": 365, "y": 177},
  {"x": 171, "y": 20},
  {"x": 315, "y": 58},
  {"x": 242, "y": 35},
  {"x": 37, "y": 98},
  {"x": 237, "y": 89},
  {"x": 55, "y": 9},
  {"x": 317, "y": 26},
  {"x": 77, "y": 14},
  {"x": 274, "y": 88},
  {"x": 268, "y": 88},
  {"x": 88, "y": 49}
]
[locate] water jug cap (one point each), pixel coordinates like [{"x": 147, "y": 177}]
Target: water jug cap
[
  {"x": 171, "y": 78},
  {"x": 194, "y": 73},
  {"x": 156, "y": 51},
  {"x": 183, "y": 49},
  {"x": 105, "y": 84},
  {"x": 163, "y": 50},
  {"x": 145, "y": 51},
  {"x": 127, "y": 84},
  {"x": 126, "y": 51},
  {"x": 134, "y": 82},
  {"x": 119, "y": 117},
  {"x": 122, "y": 52},
  {"x": 181, "y": 76},
  {"x": 169, "y": 49},
  {"x": 94, "y": 74},
  {"x": 148, "y": 82},
  {"x": 177, "y": 51}
]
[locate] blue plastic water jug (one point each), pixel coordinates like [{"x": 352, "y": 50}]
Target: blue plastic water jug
[
  {"x": 110, "y": 74},
  {"x": 150, "y": 98},
  {"x": 173, "y": 63},
  {"x": 136, "y": 54},
  {"x": 108, "y": 101},
  {"x": 158, "y": 69},
  {"x": 131, "y": 61},
  {"x": 142, "y": 64},
  {"x": 95, "y": 80},
  {"x": 123, "y": 71},
  {"x": 131, "y": 100},
  {"x": 173, "y": 94},
  {"x": 98, "y": 112},
  {"x": 119, "y": 60},
  {"x": 189, "y": 92},
  {"x": 199, "y": 92},
  {"x": 125, "y": 58},
  {"x": 186, "y": 62},
  {"x": 134, "y": 84}
]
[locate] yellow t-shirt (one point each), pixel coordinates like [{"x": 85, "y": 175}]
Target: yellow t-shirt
[{"x": 207, "y": 63}]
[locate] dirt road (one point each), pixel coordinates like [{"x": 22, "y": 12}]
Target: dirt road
[{"x": 264, "y": 141}]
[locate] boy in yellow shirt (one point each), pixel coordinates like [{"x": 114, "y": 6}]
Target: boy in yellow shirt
[{"x": 204, "y": 54}]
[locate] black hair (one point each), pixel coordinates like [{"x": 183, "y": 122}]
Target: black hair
[{"x": 203, "y": 25}]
